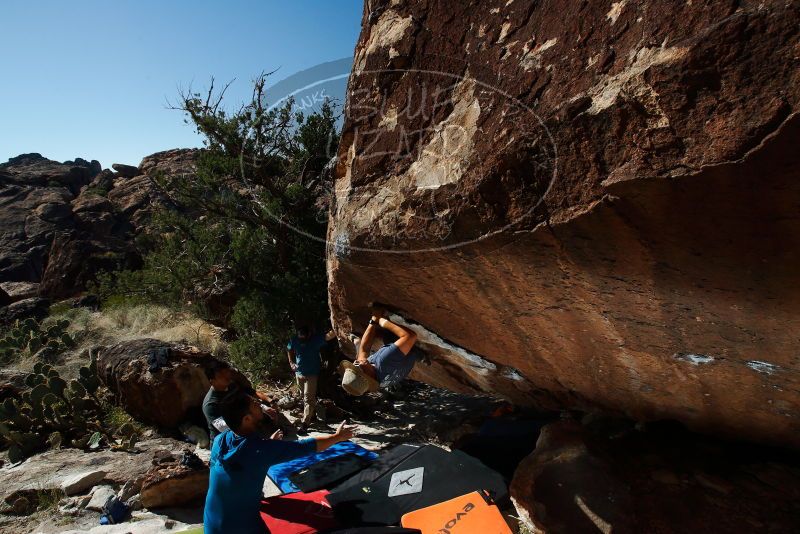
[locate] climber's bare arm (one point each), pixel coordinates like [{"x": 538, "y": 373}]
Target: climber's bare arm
[
  {"x": 405, "y": 336},
  {"x": 366, "y": 342}
]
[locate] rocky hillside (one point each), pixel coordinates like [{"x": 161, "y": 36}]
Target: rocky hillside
[
  {"x": 64, "y": 222},
  {"x": 582, "y": 204}
]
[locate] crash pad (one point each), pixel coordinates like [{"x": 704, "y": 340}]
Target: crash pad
[
  {"x": 325, "y": 474},
  {"x": 298, "y": 513},
  {"x": 428, "y": 476},
  {"x": 386, "y": 461},
  {"x": 376, "y": 530},
  {"x": 280, "y": 473},
  {"x": 470, "y": 513}
]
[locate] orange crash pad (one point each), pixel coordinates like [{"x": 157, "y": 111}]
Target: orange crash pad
[{"x": 468, "y": 514}]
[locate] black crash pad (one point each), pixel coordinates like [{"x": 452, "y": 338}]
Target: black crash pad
[
  {"x": 437, "y": 475},
  {"x": 328, "y": 472},
  {"x": 385, "y": 462}
]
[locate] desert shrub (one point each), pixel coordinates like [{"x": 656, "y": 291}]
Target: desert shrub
[
  {"x": 229, "y": 232},
  {"x": 96, "y": 190}
]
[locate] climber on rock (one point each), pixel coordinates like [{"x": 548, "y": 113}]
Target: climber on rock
[{"x": 388, "y": 365}]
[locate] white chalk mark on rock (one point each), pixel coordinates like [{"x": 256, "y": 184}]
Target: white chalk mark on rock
[
  {"x": 605, "y": 93},
  {"x": 387, "y": 31},
  {"x": 616, "y": 11},
  {"x": 426, "y": 337},
  {"x": 533, "y": 58},
  {"x": 445, "y": 157},
  {"x": 762, "y": 367},
  {"x": 694, "y": 359}
]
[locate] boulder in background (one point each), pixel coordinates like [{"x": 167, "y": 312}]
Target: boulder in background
[{"x": 165, "y": 397}]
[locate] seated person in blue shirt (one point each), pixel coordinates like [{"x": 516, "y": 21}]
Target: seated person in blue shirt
[
  {"x": 389, "y": 365},
  {"x": 240, "y": 458},
  {"x": 304, "y": 359}
]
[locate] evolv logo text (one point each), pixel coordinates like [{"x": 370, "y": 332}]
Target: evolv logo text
[{"x": 459, "y": 516}]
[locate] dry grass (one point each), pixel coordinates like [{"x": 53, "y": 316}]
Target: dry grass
[
  {"x": 124, "y": 323},
  {"x": 127, "y": 323}
]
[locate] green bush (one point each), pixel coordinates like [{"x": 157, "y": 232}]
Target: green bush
[
  {"x": 96, "y": 190},
  {"x": 228, "y": 234},
  {"x": 118, "y": 421}
]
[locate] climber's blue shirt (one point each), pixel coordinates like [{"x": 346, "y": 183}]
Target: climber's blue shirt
[
  {"x": 307, "y": 354},
  {"x": 238, "y": 468},
  {"x": 391, "y": 365}
]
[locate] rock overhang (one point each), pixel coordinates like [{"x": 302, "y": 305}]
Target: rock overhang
[{"x": 651, "y": 272}]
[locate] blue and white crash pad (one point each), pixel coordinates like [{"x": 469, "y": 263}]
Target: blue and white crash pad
[{"x": 321, "y": 465}]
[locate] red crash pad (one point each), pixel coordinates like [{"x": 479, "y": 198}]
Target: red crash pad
[{"x": 298, "y": 513}]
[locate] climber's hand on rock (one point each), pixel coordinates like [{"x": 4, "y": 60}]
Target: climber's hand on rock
[
  {"x": 278, "y": 435},
  {"x": 378, "y": 310}
]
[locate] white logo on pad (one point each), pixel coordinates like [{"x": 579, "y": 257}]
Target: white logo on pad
[{"x": 406, "y": 482}]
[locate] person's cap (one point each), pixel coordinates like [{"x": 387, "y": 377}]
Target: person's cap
[{"x": 355, "y": 381}]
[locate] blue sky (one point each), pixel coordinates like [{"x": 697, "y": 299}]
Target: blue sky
[{"x": 90, "y": 78}]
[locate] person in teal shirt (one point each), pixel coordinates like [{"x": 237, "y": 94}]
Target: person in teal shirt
[
  {"x": 304, "y": 359},
  {"x": 240, "y": 458}
]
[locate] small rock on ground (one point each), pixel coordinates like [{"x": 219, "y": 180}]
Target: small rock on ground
[{"x": 100, "y": 495}]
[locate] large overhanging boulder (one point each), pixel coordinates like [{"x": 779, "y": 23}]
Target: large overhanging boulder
[{"x": 585, "y": 204}]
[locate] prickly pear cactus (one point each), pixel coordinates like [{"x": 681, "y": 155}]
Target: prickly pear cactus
[
  {"x": 54, "y": 412},
  {"x": 28, "y": 337}
]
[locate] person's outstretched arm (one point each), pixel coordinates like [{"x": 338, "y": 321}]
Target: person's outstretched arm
[
  {"x": 405, "y": 336},
  {"x": 263, "y": 457},
  {"x": 343, "y": 433}
]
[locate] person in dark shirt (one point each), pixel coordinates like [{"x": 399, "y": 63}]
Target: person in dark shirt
[
  {"x": 389, "y": 365},
  {"x": 303, "y": 350},
  {"x": 240, "y": 458},
  {"x": 224, "y": 383}
]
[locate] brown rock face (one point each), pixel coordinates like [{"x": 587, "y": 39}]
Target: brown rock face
[
  {"x": 63, "y": 222},
  {"x": 168, "y": 483},
  {"x": 74, "y": 262},
  {"x": 126, "y": 171},
  {"x": 586, "y": 204},
  {"x": 35, "y": 195},
  {"x": 657, "y": 480},
  {"x": 137, "y": 196},
  {"x": 167, "y": 396}
]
